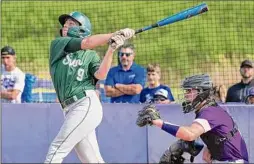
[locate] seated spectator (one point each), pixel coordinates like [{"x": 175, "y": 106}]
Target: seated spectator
[
  {"x": 220, "y": 93},
  {"x": 237, "y": 92},
  {"x": 155, "y": 92},
  {"x": 250, "y": 97},
  {"x": 26, "y": 96},
  {"x": 125, "y": 81},
  {"x": 12, "y": 78},
  {"x": 101, "y": 91}
]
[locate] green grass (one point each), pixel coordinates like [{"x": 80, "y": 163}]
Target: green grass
[{"x": 214, "y": 42}]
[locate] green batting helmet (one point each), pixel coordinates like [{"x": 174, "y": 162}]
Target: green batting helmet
[{"x": 84, "y": 22}]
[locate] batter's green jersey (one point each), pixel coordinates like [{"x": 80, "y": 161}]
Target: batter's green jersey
[{"x": 71, "y": 69}]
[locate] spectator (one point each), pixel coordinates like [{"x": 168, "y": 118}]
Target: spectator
[
  {"x": 12, "y": 78},
  {"x": 26, "y": 96},
  {"x": 238, "y": 92},
  {"x": 220, "y": 93},
  {"x": 155, "y": 92},
  {"x": 250, "y": 97},
  {"x": 125, "y": 81},
  {"x": 101, "y": 91}
]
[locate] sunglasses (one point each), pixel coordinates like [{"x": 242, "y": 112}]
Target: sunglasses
[{"x": 124, "y": 53}]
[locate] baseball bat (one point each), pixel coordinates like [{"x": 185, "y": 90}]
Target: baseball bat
[{"x": 182, "y": 15}]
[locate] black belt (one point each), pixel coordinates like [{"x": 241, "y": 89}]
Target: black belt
[{"x": 73, "y": 99}]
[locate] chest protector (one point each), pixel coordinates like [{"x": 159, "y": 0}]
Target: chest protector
[{"x": 215, "y": 143}]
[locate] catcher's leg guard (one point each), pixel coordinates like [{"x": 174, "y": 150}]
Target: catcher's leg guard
[{"x": 181, "y": 151}]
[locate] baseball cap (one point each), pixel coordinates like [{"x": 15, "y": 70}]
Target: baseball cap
[
  {"x": 251, "y": 92},
  {"x": 7, "y": 50},
  {"x": 161, "y": 92},
  {"x": 247, "y": 63}
]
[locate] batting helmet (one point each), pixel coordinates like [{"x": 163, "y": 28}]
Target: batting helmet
[
  {"x": 85, "y": 28},
  {"x": 204, "y": 85}
]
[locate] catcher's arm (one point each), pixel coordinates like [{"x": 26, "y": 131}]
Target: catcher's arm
[{"x": 187, "y": 133}]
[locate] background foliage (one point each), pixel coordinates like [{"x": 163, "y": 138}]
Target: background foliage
[{"x": 215, "y": 42}]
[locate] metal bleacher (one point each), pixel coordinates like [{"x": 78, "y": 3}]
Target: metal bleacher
[{"x": 43, "y": 92}]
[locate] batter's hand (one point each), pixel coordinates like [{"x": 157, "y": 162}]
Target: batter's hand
[
  {"x": 127, "y": 33},
  {"x": 117, "y": 41}
]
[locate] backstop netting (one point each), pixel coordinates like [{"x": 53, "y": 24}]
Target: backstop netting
[{"x": 214, "y": 42}]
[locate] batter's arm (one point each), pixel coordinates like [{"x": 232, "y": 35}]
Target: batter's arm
[
  {"x": 76, "y": 44},
  {"x": 129, "y": 89},
  {"x": 94, "y": 41},
  {"x": 102, "y": 72}
]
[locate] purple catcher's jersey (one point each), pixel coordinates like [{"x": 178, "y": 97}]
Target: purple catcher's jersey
[{"x": 215, "y": 120}]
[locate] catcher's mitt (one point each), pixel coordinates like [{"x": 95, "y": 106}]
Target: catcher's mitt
[{"x": 146, "y": 115}]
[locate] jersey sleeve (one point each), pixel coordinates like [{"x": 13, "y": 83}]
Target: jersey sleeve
[
  {"x": 20, "y": 82},
  {"x": 61, "y": 45},
  {"x": 206, "y": 120},
  {"x": 140, "y": 77},
  {"x": 94, "y": 64},
  {"x": 110, "y": 78}
]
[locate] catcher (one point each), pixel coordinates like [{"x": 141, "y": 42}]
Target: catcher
[
  {"x": 213, "y": 124},
  {"x": 180, "y": 151}
]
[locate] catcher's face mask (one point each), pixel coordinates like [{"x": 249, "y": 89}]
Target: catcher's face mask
[
  {"x": 190, "y": 94},
  {"x": 187, "y": 97}
]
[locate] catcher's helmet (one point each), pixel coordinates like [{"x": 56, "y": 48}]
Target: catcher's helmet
[
  {"x": 200, "y": 82},
  {"x": 203, "y": 84},
  {"x": 85, "y": 28}
]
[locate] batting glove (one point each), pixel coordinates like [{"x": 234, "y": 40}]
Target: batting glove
[{"x": 116, "y": 41}]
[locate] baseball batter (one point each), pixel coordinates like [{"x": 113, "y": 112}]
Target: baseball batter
[{"x": 74, "y": 69}]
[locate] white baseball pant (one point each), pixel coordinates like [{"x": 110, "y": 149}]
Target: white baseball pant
[{"x": 78, "y": 131}]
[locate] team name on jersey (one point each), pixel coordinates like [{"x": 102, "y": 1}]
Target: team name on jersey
[{"x": 72, "y": 62}]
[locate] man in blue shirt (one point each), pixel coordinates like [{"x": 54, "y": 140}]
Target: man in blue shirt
[
  {"x": 155, "y": 92},
  {"x": 125, "y": 81},
  {"x": 238, "y": 92}
]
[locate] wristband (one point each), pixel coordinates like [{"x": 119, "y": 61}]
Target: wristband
[{"x": 170, "y": 128}]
